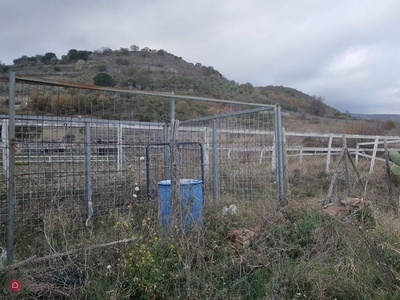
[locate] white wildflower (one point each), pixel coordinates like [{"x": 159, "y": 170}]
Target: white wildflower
[
  {"x": 137, "y": 189},
  {"x": 229, "y": 209},
  {"x": 134, "y": 196},
  {"x": 108, "y": 267},
  {"x": 141, "y": 158}
]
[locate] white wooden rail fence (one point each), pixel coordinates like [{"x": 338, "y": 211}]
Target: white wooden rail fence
[
  {"x": 361, "y": 150},
  {"x": 371, "y": 150}
]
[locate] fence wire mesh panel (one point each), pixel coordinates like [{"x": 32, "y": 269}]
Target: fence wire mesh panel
[
  {"x": 76, "y": 151},
  {"x": 4, "y": 159},
  {"x": 80, "y": 152},
  {"x": 238, "y": 155},
  {"x": 157, "y": 167}
]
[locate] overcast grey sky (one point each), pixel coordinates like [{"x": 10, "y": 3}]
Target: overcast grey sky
[{"x": 345, "y": 51}]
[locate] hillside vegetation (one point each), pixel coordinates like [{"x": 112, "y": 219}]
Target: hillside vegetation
[{"x": 158, "y": 70}]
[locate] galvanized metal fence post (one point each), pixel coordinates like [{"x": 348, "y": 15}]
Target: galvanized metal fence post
[
  {"x": 119, "y": 148},
  {"x": 5, "y": 151},
  {"x": 176, "y": 201},
  {"x": 4, "y": 145},
  {"x": 167, "y": 172},
  {"x": 172, "y": 108},
  {"x": 215, "y": 161},
  {"x": 11, "y": 168},
  {"x": 279, "y": 158},
  {"x": 206, "y": 152},
  {"x": 88, "y": 167},
  {"x": 167, "y": 139},
  {"x": 273, "y": 156}
]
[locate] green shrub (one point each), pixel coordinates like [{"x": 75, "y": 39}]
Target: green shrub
[
  {"x": 150, "y": 265},
  {"x": 102, "y": 68},
  {"x": 80, "y": 64},
  {"x": 103, "y": 79},
  {"x": 122, "y": 61}
]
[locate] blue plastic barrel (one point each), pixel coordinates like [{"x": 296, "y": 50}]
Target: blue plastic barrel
[{"x": 191, "y": 191}]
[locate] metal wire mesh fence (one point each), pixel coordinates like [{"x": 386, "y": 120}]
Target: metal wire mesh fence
[
  {"x": 56, "y": 156},
  {"x": 239, "y": 152},
  {"x": 87, "y": 150}
]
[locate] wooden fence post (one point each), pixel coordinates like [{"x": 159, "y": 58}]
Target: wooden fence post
[
  {"x": 335, "y": 174},
  {"x": 357, "y": 152},
  {"x": 393, "y": 202},
  {"x": 328, "y": 158},
  {"x": 371, "y": 168},
  {"x": 346, "y": 164}
]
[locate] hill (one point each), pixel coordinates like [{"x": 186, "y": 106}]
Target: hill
[
  {"x": 158, "y": 70},
  {"x": 379, "y": 117}
]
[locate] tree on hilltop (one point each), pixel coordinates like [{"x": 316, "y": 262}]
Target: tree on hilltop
[
  {"x": 48, "y": 58},
  {"x": 74, "y": 54},
  {"x": 134, "y": 48}
]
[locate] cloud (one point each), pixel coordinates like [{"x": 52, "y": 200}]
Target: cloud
[{"x": 344, "y": 51}]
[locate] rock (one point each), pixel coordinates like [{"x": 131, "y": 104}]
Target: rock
[
  {"x": 356, "y": 202},
  {"x": 335, "y": 210},
  {"x": 242, "y": 237},
  {"x": 345, "y": 205}
]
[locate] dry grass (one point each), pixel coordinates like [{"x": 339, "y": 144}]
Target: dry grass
[{"x": 297, "y": 253}]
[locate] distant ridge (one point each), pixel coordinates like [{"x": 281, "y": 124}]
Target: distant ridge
[{"x": 379, "y": 117}]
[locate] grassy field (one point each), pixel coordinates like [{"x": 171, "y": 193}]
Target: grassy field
[{"x": 297, "y": 252}]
